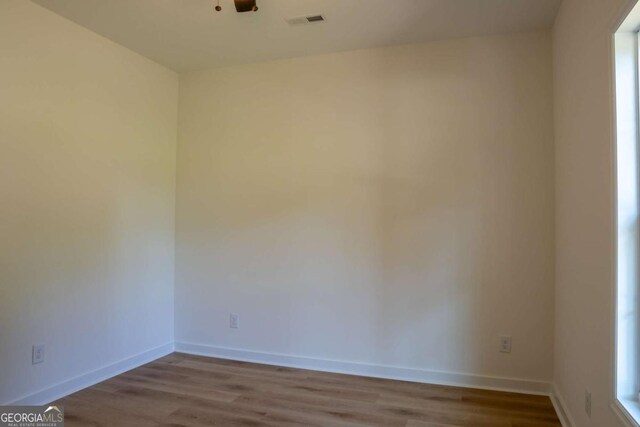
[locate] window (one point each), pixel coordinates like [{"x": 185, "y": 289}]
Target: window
[{"x": 627, "y": 355}]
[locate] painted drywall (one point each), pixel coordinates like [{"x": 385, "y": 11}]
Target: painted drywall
[
  {"x": 582, "y": 45},
  {"x": 87, "y": 178},
  {"x": 388, "y": 206}
]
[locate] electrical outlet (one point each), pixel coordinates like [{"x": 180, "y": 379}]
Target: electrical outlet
[
  {"x": 234, "y": 321},
  {"x": 587, "y": 402},
  {"x": 37, "y": 354},
  {"x": 505, "y": 344}
]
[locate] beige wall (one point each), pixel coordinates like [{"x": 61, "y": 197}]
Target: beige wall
[
  {"x": 391, "y": 206},
  {"x": 584, "y": 206},
  {"x": 87, "y": 177}
]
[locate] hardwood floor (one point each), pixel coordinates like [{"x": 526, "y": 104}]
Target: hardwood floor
[{"x": 185, "y": 390}]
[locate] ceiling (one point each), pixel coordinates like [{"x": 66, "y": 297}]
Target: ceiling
[{"x": 188, "y": 35}]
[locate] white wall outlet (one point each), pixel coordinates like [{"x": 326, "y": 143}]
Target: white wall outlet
[
  {"x": 505, "y": 344},
  {"x": 37, "y": 354},
  {"x": 587, "y": 402},
  {"x": 234, "y": 321}
]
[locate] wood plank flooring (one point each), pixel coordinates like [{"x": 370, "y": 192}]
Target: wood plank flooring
[{"x": 184, "y": 390}]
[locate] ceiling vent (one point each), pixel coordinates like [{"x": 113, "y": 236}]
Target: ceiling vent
[{"x": 311, "y": 19}]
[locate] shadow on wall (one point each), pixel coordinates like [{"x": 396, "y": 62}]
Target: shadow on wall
[
  {"x": 82, "y": 232},
  {"x": 398, "y": 210}
]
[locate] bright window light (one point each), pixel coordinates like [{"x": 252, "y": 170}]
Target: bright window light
[{"x": 627, "y": 86}]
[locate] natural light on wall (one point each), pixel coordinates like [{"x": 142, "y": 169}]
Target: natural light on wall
[{"x": 627, "y": 319}]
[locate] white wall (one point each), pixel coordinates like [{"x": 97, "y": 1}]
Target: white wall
[
  {"x": 389, "y": 206},
  {"x": 584, "y": 206},
  {"x": 87, "y": 176}
]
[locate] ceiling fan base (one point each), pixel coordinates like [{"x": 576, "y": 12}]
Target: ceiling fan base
[{"x": 245, "y": 5}]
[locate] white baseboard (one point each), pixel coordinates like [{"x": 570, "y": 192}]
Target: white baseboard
[
  {"x": 88, "y": 379},
  {"x": 67, "y": 387},
  {"x": 561, "y": 408},
  {"x": 370, "y": 370}
]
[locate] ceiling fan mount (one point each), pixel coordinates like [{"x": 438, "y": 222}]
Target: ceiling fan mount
[{"x": 241, "y": 6}]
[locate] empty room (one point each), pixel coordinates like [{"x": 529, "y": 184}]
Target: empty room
[{"x": 412, "y": 213}]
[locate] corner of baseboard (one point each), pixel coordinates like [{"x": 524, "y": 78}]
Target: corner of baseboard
[
  {"x": 88, "y": 379},
  {"x": 561, "y": 408}
]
